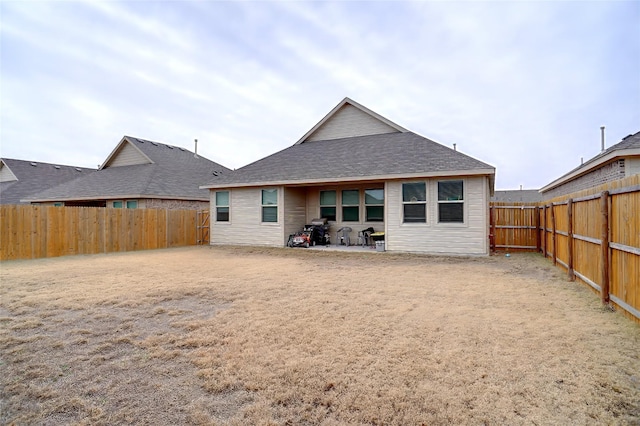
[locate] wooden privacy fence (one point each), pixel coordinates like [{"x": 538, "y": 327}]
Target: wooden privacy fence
[
  {"x": 30, "y": 232},
  {"x": 596, "y": 238}
]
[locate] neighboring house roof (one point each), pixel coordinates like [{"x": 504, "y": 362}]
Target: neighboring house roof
[
  {"x": 395, "y": 153},
  {"x": 629, "y": 146},
  {"x": 20, "y": 178},
  {"x": 519, "y": 195},
  {"x": 139, "y": 168}
]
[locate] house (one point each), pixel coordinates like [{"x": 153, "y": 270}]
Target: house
[
  {"x": 140, "y": 174},
  {"x": 20, "y": 179},
  {"x": 359, "y": 169},
  {"x": 616, "y": 162},
  {"x": 517, "y": 195}
]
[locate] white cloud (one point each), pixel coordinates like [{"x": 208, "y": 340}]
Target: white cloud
[{"x": 523, "y": 86}]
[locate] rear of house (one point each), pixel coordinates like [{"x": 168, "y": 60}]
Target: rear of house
[{"x": 358, "y": 169}]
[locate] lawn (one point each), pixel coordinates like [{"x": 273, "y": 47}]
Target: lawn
[{"x": 230, "y": 335}]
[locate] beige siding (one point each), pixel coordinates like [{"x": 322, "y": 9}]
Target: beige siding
[
  {"x": 349, "y": 121},
  {"x": 295, "y": 211},
  {"x": 432, "y": 237},
  {"x": 6, "y": 175},
  {"x": 128, "y": 156},
  {"x": 631, "y": 166},
  {"x": 244, "y": 226}
]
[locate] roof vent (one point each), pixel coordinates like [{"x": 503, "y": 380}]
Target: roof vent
[
  {"x": 181, "y": 149},
  {"x": 78, "y": 169},
  {"x": 626, "y": 137},
  {"x": 34, "y": 163},
  {"x": 169, "y": 146},
  {"x": 602, "y": 138},
  {"x": 154, "y": 144},
  {"x": 215, "y": 173},
  {"x": 56, "y": 167}
]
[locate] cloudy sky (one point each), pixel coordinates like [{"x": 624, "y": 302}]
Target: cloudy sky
[{"x": 524, "y": 86}]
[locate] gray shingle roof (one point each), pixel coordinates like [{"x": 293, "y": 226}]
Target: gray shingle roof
[
  {"x": 34, "y": 177},
  {"x": 356, "y": 158},
  {"x": 519, "y": 195},
  {"x": 176, "y": 173},
  {"x": 628, "y": 142}
]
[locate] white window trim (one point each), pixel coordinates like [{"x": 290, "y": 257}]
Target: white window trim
[
  {"x": 465, "y": 209},
  {"x": 320, "y": 206},
  {"x": 364, "y": 201},
  {"x": 215, "y": 209},
  {"x": 342, "y": 205},
  {"x": 277, "y": 206},
  {"x": 425, "y": 202}
]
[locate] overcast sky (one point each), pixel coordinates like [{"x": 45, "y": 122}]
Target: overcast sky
[{"x": 523, "y": 86}]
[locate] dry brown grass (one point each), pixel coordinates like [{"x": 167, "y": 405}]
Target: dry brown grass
[{"x": 290, "y": 336}]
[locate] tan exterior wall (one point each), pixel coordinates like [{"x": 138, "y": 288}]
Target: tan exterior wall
[
  {"x": 349, "y": 121},
  {"x": 299, "y": 206},
  {"x": 128, "y": 156},
  {"x": 152, "y": 203},
  {"x": 468, "y": 238},
  {"x": 245, "y": 215},
  {"x": 632, "y": 166},
  {"x": 295, "y": 210}
]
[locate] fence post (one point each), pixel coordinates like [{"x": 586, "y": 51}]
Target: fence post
[
  {"x": 572, "y": 275},
  {"x": 544, "y": 231},
  {"x": 604, "y": 212},
  {"x": 553, "y": 235},
  {"x": 537, "y": 224},
  {"x": 492, "y": 232}
]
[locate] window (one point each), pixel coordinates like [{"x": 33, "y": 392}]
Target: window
[
  {"x": 58, "y": 204},
  {"x": 374, "y": 205},
  {"x": 222, "y": 206},
  {"x": 414, "y": 202},
  {"x": 350, "y": 205},
  {"x": 132, "y": 204},
  {"x": 117, "y": 204},
  {"x": 450, "y": 201},
  {"x": 328, "y": 205},
  {"x": 269, "y": 205}
]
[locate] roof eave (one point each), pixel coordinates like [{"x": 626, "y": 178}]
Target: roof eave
[
  {"x": 113, "y": 197},
  {"x": 588, "y": 167},
  {"x": 320, "y": 181}
]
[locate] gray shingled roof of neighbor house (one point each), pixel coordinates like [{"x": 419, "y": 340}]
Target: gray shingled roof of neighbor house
[
  {"x": 630, "y": 142},
  {"x": 176, "y": 173},
  {"x": 34, "y": 177},
  {"x": 519, "y": 195},
  {"x": 355, "y": 158}
]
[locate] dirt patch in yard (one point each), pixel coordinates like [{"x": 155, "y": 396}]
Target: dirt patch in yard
[{"x": 229, "y": 335}]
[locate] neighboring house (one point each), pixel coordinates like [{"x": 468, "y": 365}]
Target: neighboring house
[
  {"x": 517, "y": 195},
  {"x": 140, "y": 174},
  {"x": 20, "y": 179},
  {"x": 359, "y": 169},
  {"x": 616, "y": 162}
]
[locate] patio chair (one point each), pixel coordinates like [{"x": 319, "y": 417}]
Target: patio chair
[
  {"x": 342, "y": 236},
  {"x": 364, "y": 236}
]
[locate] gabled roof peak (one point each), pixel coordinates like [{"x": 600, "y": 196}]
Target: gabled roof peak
[{"x": 369, "y": 123}]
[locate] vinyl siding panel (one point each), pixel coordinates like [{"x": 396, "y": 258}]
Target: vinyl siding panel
[
  {"x": 349, "y": 121},
  {"x": 295, "y": 211},
  {"x": 128, "y": 156},
  {"x": 631, "y": 166},
  {"x": 6, "y": 175},
  {"x": 469, "y": 238},
  {"x": 245, "y": 226}
]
